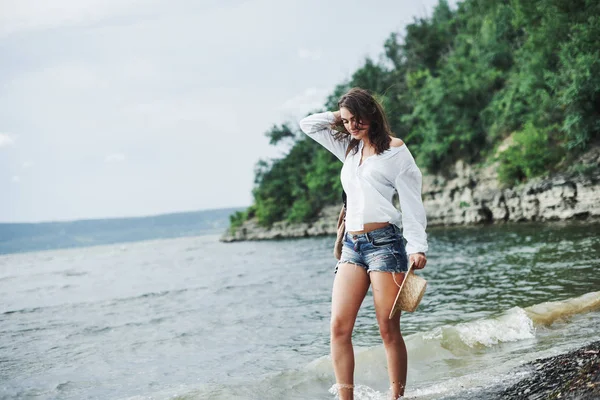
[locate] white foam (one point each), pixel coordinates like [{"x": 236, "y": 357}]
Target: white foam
[
  {"x": 512, "y": 326},
  {"x": 363, "y": 392}
]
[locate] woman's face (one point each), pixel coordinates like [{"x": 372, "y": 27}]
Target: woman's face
[{"x": 357, "y": 131}]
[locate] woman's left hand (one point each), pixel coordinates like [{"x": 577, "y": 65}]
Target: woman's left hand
[{"x": 418, "y": 259}]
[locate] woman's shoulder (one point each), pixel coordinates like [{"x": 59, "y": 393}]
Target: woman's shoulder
[
  {"x": 398, "y": 157},
  {"x": 397, "y": 147},
  {"x": 396, "y": 142}
]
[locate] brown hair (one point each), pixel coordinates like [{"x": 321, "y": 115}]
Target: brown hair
[{"x": 365, "y": 108}]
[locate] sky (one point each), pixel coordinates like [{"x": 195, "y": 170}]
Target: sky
[{"x": 117, "y": 108}]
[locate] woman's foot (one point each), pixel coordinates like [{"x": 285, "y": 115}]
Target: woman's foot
[{"x": 344, "y": 391}]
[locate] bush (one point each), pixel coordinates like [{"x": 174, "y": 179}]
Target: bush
[
  {"x": 534, "y": 152},
  {"x": 577, "y": 84},
  {"x": 236, "y": 220},
  {"x": 302, "y": 210}
]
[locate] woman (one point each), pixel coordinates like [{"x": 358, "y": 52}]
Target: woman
[{"x": 376, "y": 165}]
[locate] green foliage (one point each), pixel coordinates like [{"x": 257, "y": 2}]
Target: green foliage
[
  {"x": 454, "y": 87},
  {"x": 426, "y": 41},
  {"x": 532, "y": 153},
  {"x": 302, "y": 209},
  {"x": 577, "y": 83},
  {"x": 584, "y": 169},
  {"x": 371, "y": 77},
  {"x": 448, "y": 112},
  {"x": 296, "y": 187},
  {"x": 236, "y": 220},
  {"x": 278, "y": 133}
]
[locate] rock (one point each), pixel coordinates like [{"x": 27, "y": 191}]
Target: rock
[
  {"x": 473, "y": 196},
  {"x": 574, "y": 375},
  {"x": 325, "y": 224}
]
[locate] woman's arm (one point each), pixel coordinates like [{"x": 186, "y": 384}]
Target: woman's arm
[
  {"x": 318, "y": 127},
  {"x": 414, "y": 221}
]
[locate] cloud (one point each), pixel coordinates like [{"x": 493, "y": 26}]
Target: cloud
[
  {"x": 16, "y": 179},
  {"x": 29, "y": 15},
  {"x": 6, "y": 140},
  {"x": 310, "y": 99},
  {"x": 27, "y": 164},
  {"x": 114, "y": 158},
  {"x": 306, "y": 54}
]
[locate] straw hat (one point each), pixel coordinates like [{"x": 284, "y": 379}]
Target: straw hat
[{"x": 410, "y": 293}]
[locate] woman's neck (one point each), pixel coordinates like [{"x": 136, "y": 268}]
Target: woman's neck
[{"x": 367, "y": 143}]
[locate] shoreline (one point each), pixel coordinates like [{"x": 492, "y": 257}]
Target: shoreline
[
  {"x": 571, "y": 375},
  {"x": 325, "y": 226}
]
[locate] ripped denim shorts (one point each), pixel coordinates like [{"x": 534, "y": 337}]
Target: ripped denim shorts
[{"x": 379, "y": 250}]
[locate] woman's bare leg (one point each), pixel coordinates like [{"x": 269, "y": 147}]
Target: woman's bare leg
[
  {"x": 349, "y": 289},
  {"x": 384, "y": 293}
]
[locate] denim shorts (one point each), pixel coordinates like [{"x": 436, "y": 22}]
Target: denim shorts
[{"x": 379, "y": 250}]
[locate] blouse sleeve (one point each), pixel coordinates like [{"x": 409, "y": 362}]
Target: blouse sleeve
[
  {"x": 318, "y": 127},
  {"x": 408, "y": 183}
]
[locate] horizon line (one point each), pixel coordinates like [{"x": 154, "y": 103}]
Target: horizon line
[{"x": 115, "y": 218}]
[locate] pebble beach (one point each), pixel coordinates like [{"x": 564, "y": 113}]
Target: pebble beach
[{"x": 573, "y": 375}]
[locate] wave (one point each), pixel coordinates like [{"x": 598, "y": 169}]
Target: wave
[
  {"x": 513, "y": 325},
  {"x": 549, "y": 312},
  {"x": 452, "y": 360}
]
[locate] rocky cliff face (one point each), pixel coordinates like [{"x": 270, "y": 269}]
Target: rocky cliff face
[
  {"x": 469, "y": 195},
  {"x": 474, "y": 196}
]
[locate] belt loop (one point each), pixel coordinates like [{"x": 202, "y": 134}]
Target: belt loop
[{"x": 368, "y": 236}]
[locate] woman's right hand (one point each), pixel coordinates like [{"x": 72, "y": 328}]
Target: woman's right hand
[{"x": 337, "y": 125}]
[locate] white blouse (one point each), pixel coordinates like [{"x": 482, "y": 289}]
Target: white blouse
[{"x": 370, "y": 186}]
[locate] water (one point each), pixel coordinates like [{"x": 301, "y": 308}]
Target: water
[
  {"x": 193, "y": 318},
  {"x": 24, "y": 237}
]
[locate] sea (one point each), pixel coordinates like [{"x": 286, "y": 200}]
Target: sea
[{"x": 190, "y": 317}]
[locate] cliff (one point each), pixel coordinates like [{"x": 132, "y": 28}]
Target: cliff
[{"x": 472, "y": 195}]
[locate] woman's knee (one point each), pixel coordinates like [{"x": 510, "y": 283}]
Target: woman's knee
[
  {"x": 390, "y": 331},
  {"x": 341, "y": 329}
]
